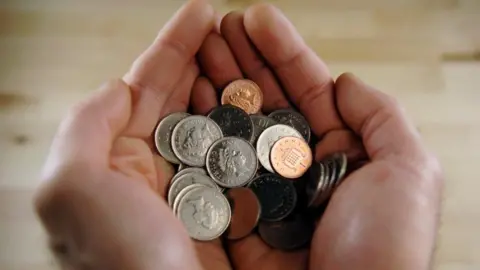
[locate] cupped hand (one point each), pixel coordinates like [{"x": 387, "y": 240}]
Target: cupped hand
[{"x": 102, "y": 199}]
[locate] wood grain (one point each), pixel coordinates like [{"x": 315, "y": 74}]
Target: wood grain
[{"x": 425, "y": 52}]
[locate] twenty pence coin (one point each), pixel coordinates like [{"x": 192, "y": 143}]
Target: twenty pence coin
[
  {"x": 291, "y": 157},
  {"x": 205, "y": 213},
  {"x": 244, "y": 94}
]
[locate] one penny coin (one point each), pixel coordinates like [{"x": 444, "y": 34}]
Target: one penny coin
[
  {"x": 291, "y": 157},
  {"x": 245, "y": 212},
  {"x": 244, "y": 94}
]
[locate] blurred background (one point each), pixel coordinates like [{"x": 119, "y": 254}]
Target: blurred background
[{"x": 425, "y": 52}]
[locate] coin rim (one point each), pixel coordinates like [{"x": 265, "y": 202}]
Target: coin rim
[
  {"x": 181, "y": 194},
  {"x": 171, "y": 199},
  {"x": 209, "y": 170}
]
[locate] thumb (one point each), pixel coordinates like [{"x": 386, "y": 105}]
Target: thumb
[{"x": 87, "y": 132}]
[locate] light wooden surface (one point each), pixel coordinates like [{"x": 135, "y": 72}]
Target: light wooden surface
[{"x": 425, "y": 52}]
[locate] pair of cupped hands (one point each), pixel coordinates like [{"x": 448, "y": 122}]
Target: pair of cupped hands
[{"x": 102, "y": 196}]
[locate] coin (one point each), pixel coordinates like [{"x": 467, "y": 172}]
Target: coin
[
  {"x": 277, "y": 196},
  {"x": 341, "y": 160},
  {"x": 186, "y": 180},
  {"x": 233, "y": 121},
  {"x": 244, "y": 94},
  {"x": 192, "y": 137},
  {"x": 293, "y": 119},
  {"x": 205, "y": 213},
  {"x": 181, "y": 194},
  {"x": 316, "y": 183},
  {"x": 291, "y": 233},
  {"x": 267, "y": 139},
  {"x": 260, "y": 123},
  {"x": 188, "y": 170},
  {"x": 163, "y": 135},
  {"x": 181, "y": 167},
  {"x": 331, "y": 172},
  {"x": 231, "y": 162},
  {"x": 291, "y": 157},
  {"x": 245, "y": 212}
]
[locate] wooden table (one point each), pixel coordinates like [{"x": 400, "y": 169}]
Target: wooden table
[{"x": 425, "y": 52}]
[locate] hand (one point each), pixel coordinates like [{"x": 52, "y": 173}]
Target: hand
[{"x": 98, "y": 205}]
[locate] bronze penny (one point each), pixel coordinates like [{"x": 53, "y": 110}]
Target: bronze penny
[
  {"x": 291, "y": 157},
  {"x": 244, "y": 94},
  {"x": 245, "y": 212}
]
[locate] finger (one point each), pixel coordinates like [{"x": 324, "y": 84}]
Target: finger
[
  {"x": 304, "y": 76},
  {"x": 164, "y": 173},
  {"x": 377, "y": 118},
  {"x": 212, "y": 255},
  {"x": 155, "y": 73},
  {"x": 204, "y": 97},
  {"x": 251, "y": 63},
  {"x": 217, "y": 61},
  {"x": 87, "y": 132},
  {"x": 341, "y": 140}
]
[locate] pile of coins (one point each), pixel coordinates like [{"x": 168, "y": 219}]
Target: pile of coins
[{"x": 241, "y": 171}]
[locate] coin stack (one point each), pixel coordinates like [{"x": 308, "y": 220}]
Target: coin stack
[{"x": 240, "y": 171}]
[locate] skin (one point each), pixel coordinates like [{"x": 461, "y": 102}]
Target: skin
[{"x": 102, "y": 198}]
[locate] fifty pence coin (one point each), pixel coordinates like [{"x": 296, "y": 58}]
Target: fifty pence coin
[
  {"x": 268, "y": 138},
  {"x": 293, "y": 119},
  {"x": 163, "y": 135},
  {"x": 260, "y": 123},
  {"x": 181, "y": 194},
  {"x": 245, "y": 212},
  {"x": 192, "y": 137},
  {"x": 233, "y": 121},
  {"x": 244, "y": 94},
  {"x": 291, "y": 157},
  {"x": 186, "y": 180},
  {"x": 205, "y": 213},
  {"x": 277, "y": 196},
  {"x": 292, "y": 233},
  {"x": 231, "y": 162}
]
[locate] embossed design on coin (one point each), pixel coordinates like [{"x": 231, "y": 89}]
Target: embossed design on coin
[
  {"x": 163, "y": 135},
  {"x": 291, "y": 233},
  {"x": 231, "y": 162},
  {"x": 293, "y": 119},
  {"x": 186, "y": 180},
  {"x": 268, "y": 138},
  {"x": 244, "y": 94},
  {"x": 192, "y": 137},
  {"x": 233, "y": 121},
  {"x": 277, "y": 196},
  {"x": 182, "y": 193},
  {"x": 245, "y": 212},
  {"x": 291, "y": 157},
  {"x": 260, "y": 123},
  {"x": 188, "y": 170},
  {"x": 205, "y": 212}
]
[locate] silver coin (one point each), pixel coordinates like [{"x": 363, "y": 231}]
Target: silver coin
[
  {"x": 205, "y": 213},
  {"x": 163, "y": 135},
  {"x": 341, "y": 160},
  {"x": 317, "y": 183},
  {"x": 260, "y": 123},
  {"x": 231, "y": 162},
  {"x": 192, "y": 137},
  {"x": 267, "y": 139},
  {"x": 188, "y": 170},
  {"x": 181, "y": 194},
  {"x": 186, "y": 180},
  {"x": 293, "y": 119},
  {"x": 330, "y": 174}
]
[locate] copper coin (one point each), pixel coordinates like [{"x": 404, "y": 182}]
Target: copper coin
[
  {"x": 244, "y": 94},
  {"x": 291, "y": 157},
  {"x": 245, "y": 212}
]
